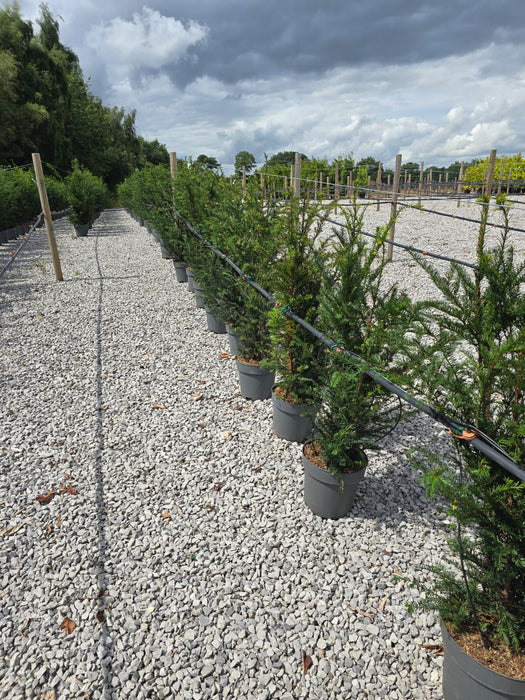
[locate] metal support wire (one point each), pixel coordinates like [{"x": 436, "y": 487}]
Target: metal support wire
[
  {"x": 23, "y": 243},
  {"x": 410, "y": 248},
  {"x": 484, "y": 444}
]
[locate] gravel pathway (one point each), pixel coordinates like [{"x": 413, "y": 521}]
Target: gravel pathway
[{"x": 176, "y": 558}]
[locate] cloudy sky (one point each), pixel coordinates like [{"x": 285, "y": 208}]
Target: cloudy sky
[{"x": 434, "y": 80}]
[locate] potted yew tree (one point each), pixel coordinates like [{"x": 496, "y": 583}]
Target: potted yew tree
[
  {"x": 295, "y": 355},
  {"x": 368, "y": 321},
  {"x": 253, "y": 244},
  {"x": 86, "y": 194},
  {"x": 471, "y": 365}
]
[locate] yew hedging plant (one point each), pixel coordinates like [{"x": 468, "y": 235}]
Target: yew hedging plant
[
  {"x": 295, "y": 354},
  {"x": 369, "y": 320},
  {"x": 473, "y": 345},
  {"x": 87, "y": 194}
]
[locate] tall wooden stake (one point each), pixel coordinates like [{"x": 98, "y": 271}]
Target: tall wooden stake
[
  {"x": 297, "y": 176},
  {"x": 490, "y": 173},
  {"x": 501, "y": 171},
  {"x": 173, "y": 165},
  {"x": 37, "y": 164},
  {"x": 460, "y": 181},
  {"x": 378, "y": 186},
  {"x": 393, "y": 208}
]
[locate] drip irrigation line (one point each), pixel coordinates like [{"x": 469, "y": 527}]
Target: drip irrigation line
[
  {"x": 483, "y": 443},
  {"x": 410, "y": 248},
  {"x": 27, "y": 236}
]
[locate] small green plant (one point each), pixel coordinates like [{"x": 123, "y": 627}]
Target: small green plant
[
  {"x": 40, "y": 264},
  {"x": 471, "y": 364}
]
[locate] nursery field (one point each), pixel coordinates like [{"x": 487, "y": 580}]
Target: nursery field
[{"x": 154, "y": 539}]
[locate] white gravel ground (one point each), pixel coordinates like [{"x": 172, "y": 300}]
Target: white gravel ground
[{"x": 178, "y": 542}]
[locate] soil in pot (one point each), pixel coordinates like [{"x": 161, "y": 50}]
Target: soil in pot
[{"x": 322, "y": 491}]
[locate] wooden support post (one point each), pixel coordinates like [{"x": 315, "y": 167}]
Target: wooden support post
[
  {"x": 297, "y": 173},
  {"x": 378, "y": 186},
  {"x": 502, "y": 168},
  {"x": 460, "y": 181},
  {"x": 420, "y": 188},
  {"x": 173, "y": 165},
  {"x": 39, "y": 175},
  {"x": 490, "y": 173},
  {"x": 337, "y": 180},
  {"x": 393, "y": 208},
  {"x": 351, "y": 183},
  {"x": 508, "y": 180}
]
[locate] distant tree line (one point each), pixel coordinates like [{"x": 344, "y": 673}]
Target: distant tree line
[{"x": 47, "y": 106}]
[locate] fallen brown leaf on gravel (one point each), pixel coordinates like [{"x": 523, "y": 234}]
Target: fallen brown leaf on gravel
[
  {"x": 197, "y": 397},
  {"x": 11, "y": 530},
  {"x": 159, "y": 405},
  {"x": 68, "y": 625},
  {"x": 166, "y": 516},
  {"x": 224, "y": 355},
  {"x": 306, "y": 662},
  {"x": 361, "y": 612},
  {"x": 47, "y": 497}
]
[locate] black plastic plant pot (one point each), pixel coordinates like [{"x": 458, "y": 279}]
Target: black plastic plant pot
[
  {"x": 191, "y": 280},
  {"x": 215, "y": 325},
  {"x": 199, "y": 295},
  {"x": 464, "y": 678},
  {"x": 82, "y": 230},
  {"x": 322, "y": 491},
  {"x": 233, "y": 341},
  {"x": 290, "y": 421},
  {"x": 255, "y": 382},
  {"x": 180, "y": 271}
]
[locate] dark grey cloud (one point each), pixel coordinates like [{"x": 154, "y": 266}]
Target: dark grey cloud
[
  {"x": 262, "y": 39},
  {"x": 433, "y": 79}
]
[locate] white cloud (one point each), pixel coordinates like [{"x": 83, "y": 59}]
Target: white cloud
[{"x": 148, "y": 42}]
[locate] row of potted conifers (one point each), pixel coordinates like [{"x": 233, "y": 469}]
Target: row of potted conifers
[
  {"x": 318, "y": 400},
  {"x": 350, "y": 410}
]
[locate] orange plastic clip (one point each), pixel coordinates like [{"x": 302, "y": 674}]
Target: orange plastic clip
[{"x": 463, "y": 435}]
